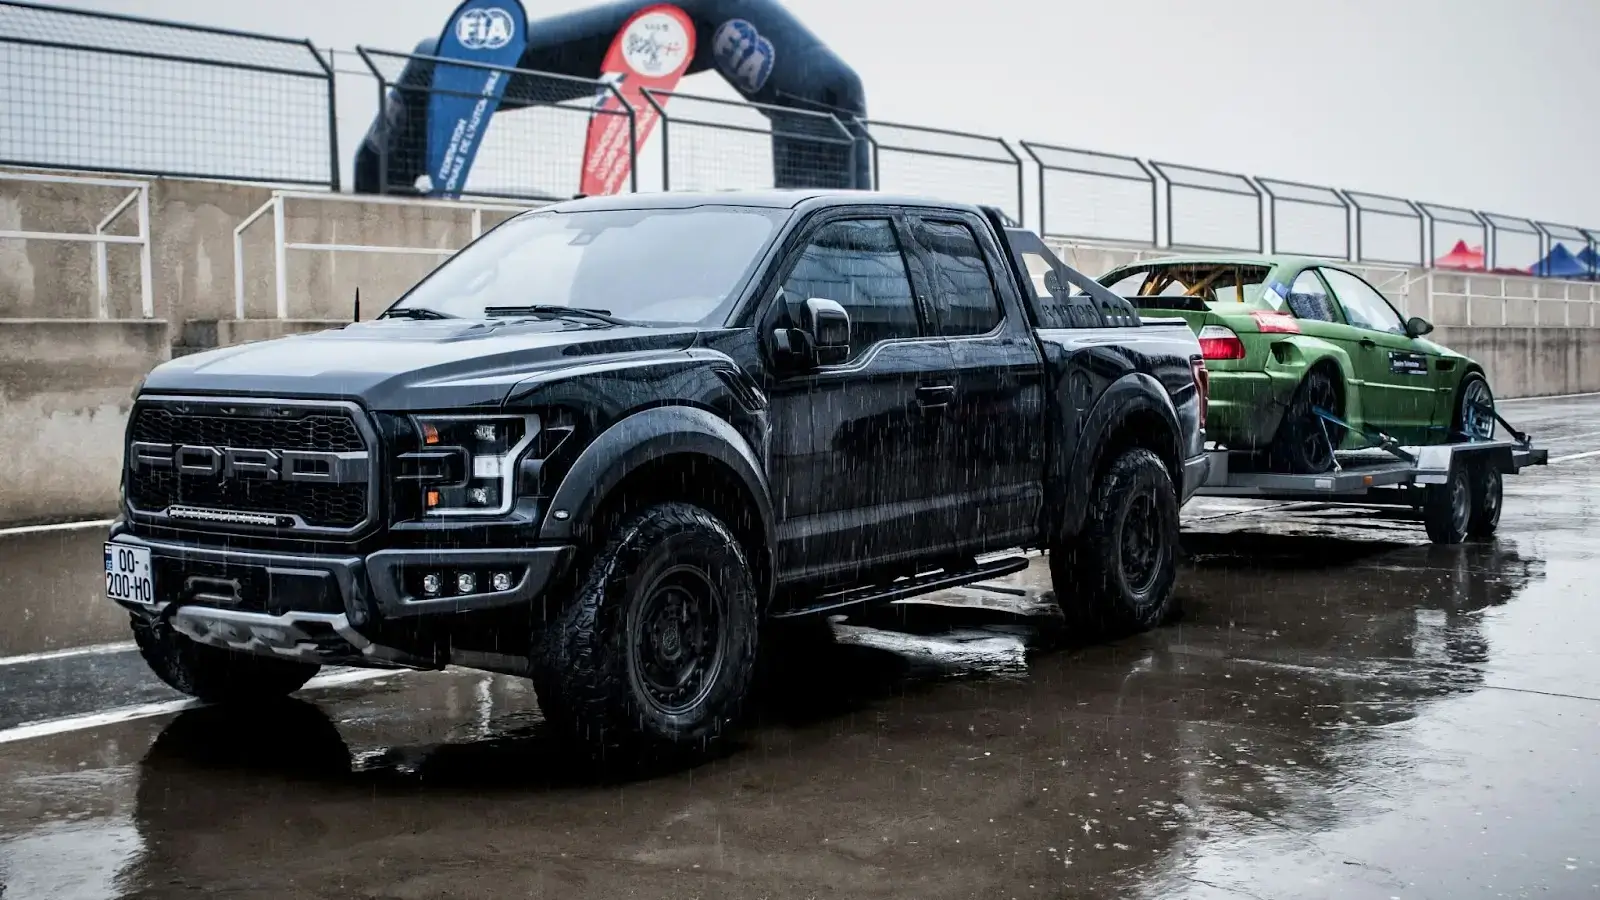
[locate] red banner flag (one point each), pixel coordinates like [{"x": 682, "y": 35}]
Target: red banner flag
[{"x": 652, "y": 50}]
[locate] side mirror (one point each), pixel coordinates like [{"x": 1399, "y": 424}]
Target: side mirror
[
  {"x": 1417, "y": 326},
  {"x": 821, "y": 337}
]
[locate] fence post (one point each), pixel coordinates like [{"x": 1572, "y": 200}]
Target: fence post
[
  {"x": 280, "y": 253},
  {"x": 101, "y": 282},
  {"x": 147, "y": 304}
]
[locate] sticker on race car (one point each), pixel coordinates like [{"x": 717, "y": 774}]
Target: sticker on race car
[{"x": 1404, "y": 363}]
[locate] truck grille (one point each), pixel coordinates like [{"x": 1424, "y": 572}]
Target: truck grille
[{"x": 192, "y": 496}]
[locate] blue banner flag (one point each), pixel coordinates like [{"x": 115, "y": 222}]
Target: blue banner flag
[{"x": 488, "y": 32}]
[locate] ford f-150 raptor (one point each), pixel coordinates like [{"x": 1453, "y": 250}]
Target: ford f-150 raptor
[{"x": 609, "y": 441}]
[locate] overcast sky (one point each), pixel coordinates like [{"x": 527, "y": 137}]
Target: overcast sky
[{"x": 1490, "y": 104}]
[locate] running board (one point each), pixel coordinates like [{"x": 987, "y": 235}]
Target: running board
[{"x": 908, "y": 587}]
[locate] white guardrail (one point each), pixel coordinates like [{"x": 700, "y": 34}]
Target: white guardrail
[
  {"x": 138, "y": 197},
  {"x": 281, "y": 246}
]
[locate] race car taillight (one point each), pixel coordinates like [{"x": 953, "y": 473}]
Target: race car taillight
[
  {"x": 1202, "y": 385},
  {"x": 1217, "y": 342}
]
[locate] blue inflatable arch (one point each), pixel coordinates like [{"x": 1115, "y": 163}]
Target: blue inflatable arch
[{"x": 803, "y": 74}]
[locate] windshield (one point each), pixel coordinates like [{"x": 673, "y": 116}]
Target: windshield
[{"x": 659, "y": 266}]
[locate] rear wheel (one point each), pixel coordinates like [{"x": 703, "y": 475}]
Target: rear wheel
[
  {"x": 1487, "y": 496},
  {"x": 1474, "y": 413},
  {"x": 1305, "y": 443},
  {"x": 214, "y": 674},
  {"x": 1116, "y": 575}
]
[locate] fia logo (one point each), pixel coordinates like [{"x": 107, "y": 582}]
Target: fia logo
[
  {"x": 743, "y": 56},
  {"x": 485, "y": 29}
]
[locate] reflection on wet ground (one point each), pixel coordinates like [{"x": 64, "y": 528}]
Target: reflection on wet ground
[{"x": 1343, "y": 710}]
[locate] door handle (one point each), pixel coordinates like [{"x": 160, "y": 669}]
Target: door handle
[
  {"x": 933, "y": 396},
  {"x": 1368, "y": 343}
]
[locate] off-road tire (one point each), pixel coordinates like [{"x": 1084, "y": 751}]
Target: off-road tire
[
  {"x": 1116, "y": 575},
  {"x": 1300, "y": 446},
  {"x": 1472, "y": 385},
  {"x": 1447, "y": 508},
  {"x": 597, "y": 661},
  {"x": 216, "y": 675},
  {"x": 1487, "y": 499}
]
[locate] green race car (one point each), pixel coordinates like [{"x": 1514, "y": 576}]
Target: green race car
[{"x": 1282, "y": 335}]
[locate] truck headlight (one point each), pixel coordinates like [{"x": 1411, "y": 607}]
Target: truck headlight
[{"x": 468, "y": 464}]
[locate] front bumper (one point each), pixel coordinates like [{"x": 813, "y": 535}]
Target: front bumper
[{"x": 322, "y": 607}]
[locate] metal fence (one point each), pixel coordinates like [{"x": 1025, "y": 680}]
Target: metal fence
[
  {"x": 1307, "y": 219},
  {"x": 1087, "y": 195},
  {"x": 709, "y": 143},
  {"x": 535, "y": 149},
  {"x": 101, "y": 92},
  {"x": 1218, "y": 210},
  {"x": 106, "y": 92},
  {"x": 956, "y": 165}
]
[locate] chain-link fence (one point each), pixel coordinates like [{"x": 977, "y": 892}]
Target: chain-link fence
[{"x": 101, "y": 92}]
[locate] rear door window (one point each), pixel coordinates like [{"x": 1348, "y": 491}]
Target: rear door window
[{"x": 965, "y": 300}]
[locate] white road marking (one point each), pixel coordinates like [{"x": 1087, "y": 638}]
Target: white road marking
[
  {"x": 1546, "y": 397},
  {"x": 59, "y": 526},
  {"x": 1572, "y": 456},
  {"x": 149, "y": 710},
  {"x": 68, "y": 653}
]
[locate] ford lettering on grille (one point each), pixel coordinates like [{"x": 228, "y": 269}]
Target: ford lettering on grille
[{"x": 239, "y": 462}]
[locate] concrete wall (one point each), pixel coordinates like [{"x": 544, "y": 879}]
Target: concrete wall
[
  {"x": 65, "y": 389},
  {"x": 65, "y": 377},
  {"x": 192, "y": 224}
]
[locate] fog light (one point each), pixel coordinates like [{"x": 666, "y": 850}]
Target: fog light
[
  {"x": 479, "y": 496},
  {"x": 501, "y": 581},
  {"x": 465, "y": 583},
  {"x": 431, "y": 583},
  {"x": 484, "y": 432}
]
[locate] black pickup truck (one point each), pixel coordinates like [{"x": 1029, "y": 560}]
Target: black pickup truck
[{"x": 609, "y": 443}]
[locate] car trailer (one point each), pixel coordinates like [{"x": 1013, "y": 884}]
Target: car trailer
[{"x": 1455, "y": 489}]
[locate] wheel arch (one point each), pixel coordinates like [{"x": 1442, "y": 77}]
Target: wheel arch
[
  {"x": 680, "y": 453},
  {"x": 1134, "y": 412}
]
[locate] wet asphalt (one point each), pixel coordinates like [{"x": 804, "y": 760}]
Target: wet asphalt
[{"x": 1342, "y": 711}]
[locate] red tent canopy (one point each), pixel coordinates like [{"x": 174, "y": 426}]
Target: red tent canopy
[{"x": 1461, "y": 257}]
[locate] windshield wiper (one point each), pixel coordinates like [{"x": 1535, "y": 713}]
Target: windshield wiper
[
  {"x": 415, "y": 312},
  {"x": 546, "y": 309}
]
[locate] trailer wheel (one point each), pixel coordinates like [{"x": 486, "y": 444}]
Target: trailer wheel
[
  {"x": 1487, "y": 499},
  {"x": 1447, "y": 509}
]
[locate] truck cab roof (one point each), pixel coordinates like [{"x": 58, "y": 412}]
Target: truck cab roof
[{"x": 780, "y": 198}]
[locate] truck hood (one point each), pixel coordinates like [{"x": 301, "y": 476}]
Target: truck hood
[{"x": 402, "y": 365}]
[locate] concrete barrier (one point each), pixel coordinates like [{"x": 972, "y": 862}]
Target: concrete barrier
[
  {"x": 65, "y": 389},
  {"x": 55, "y": 596}
]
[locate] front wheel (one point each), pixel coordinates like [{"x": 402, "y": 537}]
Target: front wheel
[
  {"x": 1116, "y": 575},
  {"x": 216, "y": 675},
  {"x": 656, "y": 652},
  {"x": 1474, "y": 413}
]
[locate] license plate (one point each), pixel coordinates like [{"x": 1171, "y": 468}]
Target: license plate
[{"x": 128, "y": 574}]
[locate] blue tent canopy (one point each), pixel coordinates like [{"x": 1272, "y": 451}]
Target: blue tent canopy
[
  {"x": 1590, "y": 259},
  {"x": 1560, "y": 263}
]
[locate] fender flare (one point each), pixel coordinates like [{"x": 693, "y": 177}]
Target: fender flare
[
  {"x": 1314, "y": 351},
  {"x": 645, "y": 437},
  {"x": 1131, "y": 394}
]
